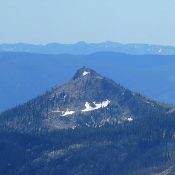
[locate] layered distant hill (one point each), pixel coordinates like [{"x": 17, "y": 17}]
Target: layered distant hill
[
  {"x": 89, "y": 48},
  {"x": 24, "y": 75}
]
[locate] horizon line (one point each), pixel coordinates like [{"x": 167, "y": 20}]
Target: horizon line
[{"x": 87, "y": 43}]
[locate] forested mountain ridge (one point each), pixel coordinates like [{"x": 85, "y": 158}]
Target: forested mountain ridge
[
  {"x": 88, "y": 99},
  {"x": 88, "y": 126}
]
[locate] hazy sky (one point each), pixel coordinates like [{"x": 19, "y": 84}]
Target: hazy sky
[{"x": 69, "y": 21}]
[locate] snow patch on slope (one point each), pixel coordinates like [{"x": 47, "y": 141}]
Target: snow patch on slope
[
  {"x": 88, "y": 107},
  {"x": 57, "y": 111},
  {"x": 68, "y": 113},
  {"x": 160, "y": 50},
  {"x": 130, "y": 119},
  {"x": 85, "y": 73}
]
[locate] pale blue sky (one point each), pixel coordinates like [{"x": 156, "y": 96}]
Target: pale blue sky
[{"x": 69, "y": 21}]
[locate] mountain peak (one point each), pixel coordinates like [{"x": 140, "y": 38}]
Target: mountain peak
[
  {"x": 84, "y": 72},
  {"x": 88, "y": 100}
]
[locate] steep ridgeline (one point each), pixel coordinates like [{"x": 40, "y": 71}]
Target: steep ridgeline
[{"x": 87, "y": 100}]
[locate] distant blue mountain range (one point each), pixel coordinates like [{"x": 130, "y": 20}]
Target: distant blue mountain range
[
  {"x": 89, "y": 48},
  {"x": 24, "y": 75}
]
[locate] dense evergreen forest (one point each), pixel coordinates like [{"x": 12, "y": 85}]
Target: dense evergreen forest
[{"x": 144, "y": 147}]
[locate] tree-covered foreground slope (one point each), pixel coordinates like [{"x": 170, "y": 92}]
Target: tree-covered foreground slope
[
  {"x": 145, "y": 147},
  {"x": 88, "y": 126}
]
